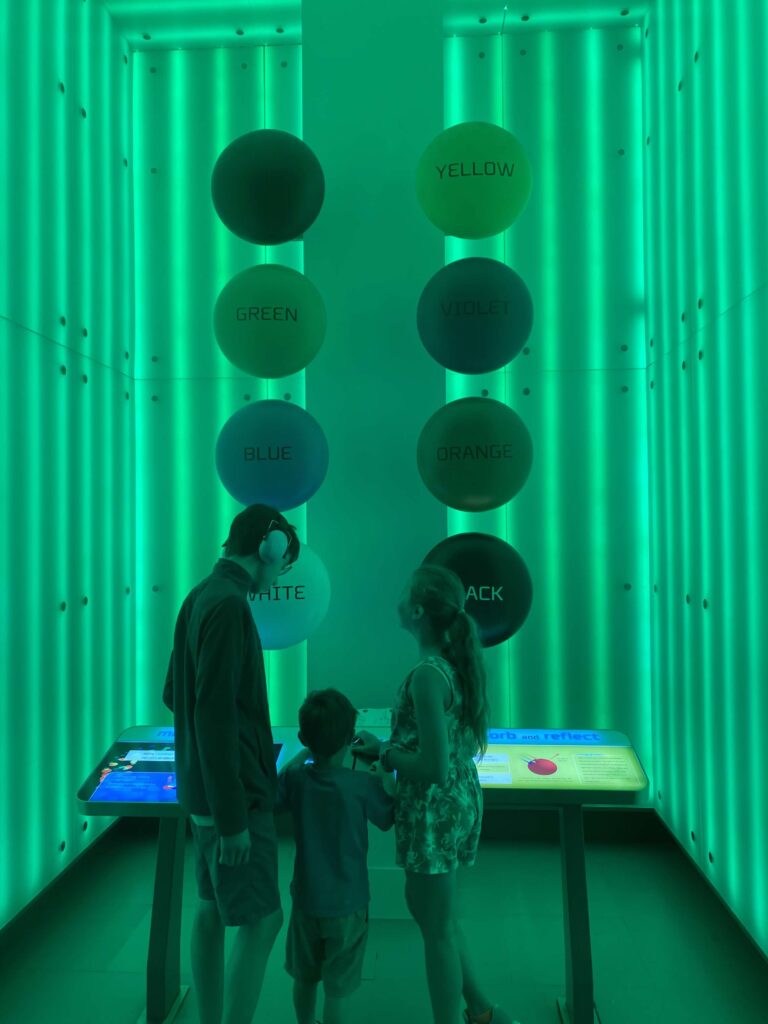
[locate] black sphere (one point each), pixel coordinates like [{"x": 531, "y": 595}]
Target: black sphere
[{"x": 268, "y": 187}]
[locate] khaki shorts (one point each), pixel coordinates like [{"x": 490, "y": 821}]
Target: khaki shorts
[
  {"x": 327, "y": 949},
  {"x": 244, "y": 893}
]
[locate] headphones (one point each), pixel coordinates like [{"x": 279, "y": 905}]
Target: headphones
[
  {"x": 276, "y": 542},
  {"x": 274, "y": 546}
]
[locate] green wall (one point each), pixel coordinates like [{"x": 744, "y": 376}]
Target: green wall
[
  {"x": 706, "y": 207},
  {"x": 67, "y": 429}
]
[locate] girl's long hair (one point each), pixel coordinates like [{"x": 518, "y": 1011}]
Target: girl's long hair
[
  {"x": 441, "y": 593},
  {"x": 327, "y": 718}
]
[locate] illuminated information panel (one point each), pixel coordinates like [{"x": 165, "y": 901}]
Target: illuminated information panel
[
  {"x": 544, "y": 759},
  {"x": 140, "y": 768}
]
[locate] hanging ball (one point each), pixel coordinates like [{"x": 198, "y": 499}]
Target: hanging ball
[
  {"x": 474, "y": 454},
  {"x": 270, "y": 321},
  {"x": 473, "y": 180},
  {"x": 268, "y": 187},
  {"x": 475, "y": 315},
  {"x": 297, "y": 603},
  {"x": 272, "y": 453},
  {"x": 498, "y": 585}
]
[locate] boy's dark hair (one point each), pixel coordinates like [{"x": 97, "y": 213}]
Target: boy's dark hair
[
  {"x": 249, "y": 527},
  {"x": 327, "y": 722}
]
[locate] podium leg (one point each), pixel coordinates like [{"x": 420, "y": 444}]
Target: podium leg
[
  {"x": 164, "y": 994},
  {"x": 578, "y": 1006}
]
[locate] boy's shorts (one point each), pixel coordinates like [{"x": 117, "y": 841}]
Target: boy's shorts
[
  {"x": 244, "y": 893},
  {"x": 330, "y": 949}
]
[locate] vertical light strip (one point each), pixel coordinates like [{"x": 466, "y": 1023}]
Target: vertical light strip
[
  {"x": 6, "y": 144},
  {"x": 454, "y": 87},
  {"x": 742, "y": 497},
  {"x": 750, "y": 193},
  {"x": 549, "y": 324},
  {"x": 223, "y": 268},
  {"x": 667, "y": 575},
  {"x": 650, "y": 143},
  {"x": 726, "y": 345},
  {"x": 510, "y": 696},
  {"x": 31, "y": 448},
  {"x": 105, "y": 397},
  {"x": 670, "y": 433},
  {"x": 300, "y": 661},
  {"x": 86, "y": 392},
  {"x": 7, "y": 783},
  {"x": 177, "y": 394},
  {"x": 682, "y": 384},
  {"x": 63, "y": 129},
  {"x": 651, "y": 245},
  {"x": 669, "y": 583},
  {"x": 7, "y": 786},
  {"x": 500, "y": 522},
  {"x": 509, "y": 531},
  {"x": 113, "y": 395},
  {"x": 126, "y": 393},
  {"x": 597, "y": 146},
  {"x": 29, "y": 256},
  {"x": 139, "y": 397},
  {"x": 707, "y": 690},
  {"x": 266, "y": 386},
  {"x": 754, "y": 879},
  {"x": 743, "y": 18},
  {"x": 635, "y": 220}
]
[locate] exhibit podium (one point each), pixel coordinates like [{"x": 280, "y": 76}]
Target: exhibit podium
[{"x": 533, "y": 768}]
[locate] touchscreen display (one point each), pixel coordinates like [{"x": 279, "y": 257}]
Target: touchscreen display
[
  {"x": 141, "y": 772},
  {"x": 560, "y": 759}
]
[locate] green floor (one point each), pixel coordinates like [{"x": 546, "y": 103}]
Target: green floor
[{"x": 665, "y": 950}]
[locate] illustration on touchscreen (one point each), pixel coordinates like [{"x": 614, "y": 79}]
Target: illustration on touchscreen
[
  {"x": 540, "y": 765},
  {"x": 121, "y": 765}
]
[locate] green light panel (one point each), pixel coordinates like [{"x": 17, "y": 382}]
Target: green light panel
[
  {"x": 187, "y": 107},
  {"x": 582, "y": 659},
  {"x": 706, "y": 210},
  {"x": 66, "y": 415}
]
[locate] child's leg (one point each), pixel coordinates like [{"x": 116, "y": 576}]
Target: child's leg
[
  {"x": 305, "y": 1002},
  {"x": 475, "y": 998},
  {"x": 335, "y": 1010},
  {"x": 431, "y": 900},
  {"x": 208, "y": 962}
]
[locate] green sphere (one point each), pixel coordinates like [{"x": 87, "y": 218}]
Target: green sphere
[{"x": 270, "y": 321}]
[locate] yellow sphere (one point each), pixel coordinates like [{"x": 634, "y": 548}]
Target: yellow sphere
[{"x": 473, "y": 180}]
